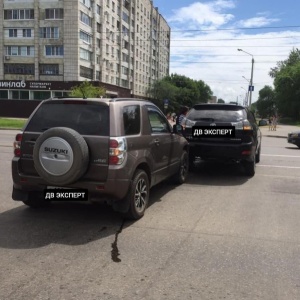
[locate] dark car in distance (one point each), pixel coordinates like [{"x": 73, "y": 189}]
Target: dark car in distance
[
  {"x": 232, "y": 134},
  {"x": 116, "y": 149},
  {"x": 294, "y": 138}
]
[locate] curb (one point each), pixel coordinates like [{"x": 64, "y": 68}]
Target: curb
[{"x": 276, "y": 136}]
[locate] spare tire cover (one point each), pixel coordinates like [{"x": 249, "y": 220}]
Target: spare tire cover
[{"x": 60, "y": 156}]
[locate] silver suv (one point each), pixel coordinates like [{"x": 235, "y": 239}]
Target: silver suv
[{"x": 114, "y": 149}]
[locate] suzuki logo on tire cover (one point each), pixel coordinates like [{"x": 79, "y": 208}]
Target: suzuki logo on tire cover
[
  {"x": 55, "y": 150},
  {"x": 56, "y": 156}
]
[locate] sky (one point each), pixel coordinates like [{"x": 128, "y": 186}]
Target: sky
[{"x": 206, "y": 36}]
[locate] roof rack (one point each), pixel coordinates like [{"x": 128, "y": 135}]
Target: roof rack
[{"x": 128, "y": 99}]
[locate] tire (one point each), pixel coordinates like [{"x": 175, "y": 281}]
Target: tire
[
  {"x": 138, "y": 195},
  {"x": 182, "y": 173},
  {"x": 257, "y": 155},
  {"x": 60, "y": 156},
  {"x": 249, "y": 167}
]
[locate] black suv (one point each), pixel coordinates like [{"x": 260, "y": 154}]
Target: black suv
[
  {"x": 115, "y": 149},
  {"x": 225, "y": 132}
]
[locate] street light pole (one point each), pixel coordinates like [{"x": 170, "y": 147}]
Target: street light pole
[{"x": 251, "y": 79}]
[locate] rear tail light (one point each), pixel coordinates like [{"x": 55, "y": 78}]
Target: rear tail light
[
  {"x": 247, "y": 125},
  {"x": 117, "y": 150},
  {"x": 17, "y": 144},
  {"x": 242, "y": 125}
]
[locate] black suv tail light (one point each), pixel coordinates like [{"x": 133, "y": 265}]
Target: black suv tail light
[{"x": 17, "y": 144}]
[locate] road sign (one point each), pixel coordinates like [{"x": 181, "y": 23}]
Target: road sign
[
  {"x": 251, "y": 88},
  {"x": 166, "y": 101}
]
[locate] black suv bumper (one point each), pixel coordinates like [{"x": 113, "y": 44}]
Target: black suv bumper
[{"x": 224, "y": 151}]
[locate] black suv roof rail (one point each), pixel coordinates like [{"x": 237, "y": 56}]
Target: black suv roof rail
[{"x": 128, "y": 99}]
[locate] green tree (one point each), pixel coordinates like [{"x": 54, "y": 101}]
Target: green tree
[
  {"x": 221, "y": 101},
  {"x": 266, "y": 104},
  {"x": 87, "y": 90},
  {"x": 179, "y": 90},
  {"x": 161, "y": 90},
  {"x": 287, "y": 85}
]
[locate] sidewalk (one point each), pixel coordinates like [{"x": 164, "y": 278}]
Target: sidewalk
[{"x": 281, "y": 131}]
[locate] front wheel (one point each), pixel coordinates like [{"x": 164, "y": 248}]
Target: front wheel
[
  {"x": 182, "y": 173},
  {"x": 138, "y": 195}
]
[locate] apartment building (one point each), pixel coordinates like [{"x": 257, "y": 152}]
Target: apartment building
[{"x": 49, "y": 45}]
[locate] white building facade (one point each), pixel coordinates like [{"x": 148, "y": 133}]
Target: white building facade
[{"x": 122, "y": 44}]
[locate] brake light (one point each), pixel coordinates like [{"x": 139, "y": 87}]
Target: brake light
[
  {"x": 242, "y": 125},
  {"x": 247, "y": 125},
  {"x": 17, "y": 144},
  {"x": 117, "y": 150}
]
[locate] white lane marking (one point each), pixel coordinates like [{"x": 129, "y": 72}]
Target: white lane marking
[
  {"x": 281, "y": 155},
  {"x": 285, "y": 167},
  {"x": 279, "y": 176}
]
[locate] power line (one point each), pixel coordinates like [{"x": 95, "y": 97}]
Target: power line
[
  {"x": 236, "y": 39},
  {"x": 231, "y": 46},
  {"x": 220, "y": 62},
  {"x": 226, "y": 55},
  {"x": 237, "y": 28}
]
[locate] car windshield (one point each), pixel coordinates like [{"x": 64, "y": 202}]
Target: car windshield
[{"x": 86, "y": 118}]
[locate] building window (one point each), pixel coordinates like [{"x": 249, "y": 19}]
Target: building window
[
  {"x": 85, "y": 54},
  {"x": 87, "y": 3},
  {"x": 13, "y": 32},
  {"x": 125, "y": 17},
  {"x": 27, "y": 32},
  {"x": 98, "y": 27},
  {"x": 19, "y": 50},
  {"x": 3, "y": 94},
  {"x": 41, "y": 95},
  {"x": 85, "y": 37},
  {"x": 54, "y": 13},
  {"x": 47, "y": 69},
  {"x": 54, "y": 50},
  {"x": 49, "y": 32},
  {"x": 19, "y": 69},
  {"x": 18, "y": 14},
  {"x": 86, "y": 72},
  {"x": 85, "y": 19},
  {"x": 98, "y": 9},
  {"x": 97, "y": 75},
  {"x": 23, "y": 95}
]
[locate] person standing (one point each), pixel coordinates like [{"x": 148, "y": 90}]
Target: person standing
[
  {"x": 270, "y": 123},
  {"x": 181, "y": 117},
  {"x": 274, "y": 122}
]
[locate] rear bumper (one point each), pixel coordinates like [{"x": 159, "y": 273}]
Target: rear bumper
[
  {"x": 112, "y": 188},
  {"x": 97, "y": 191},
  {"x": 244, "y": 151}
]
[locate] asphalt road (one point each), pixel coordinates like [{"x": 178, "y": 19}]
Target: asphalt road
[{"x": 219, "y": 236}]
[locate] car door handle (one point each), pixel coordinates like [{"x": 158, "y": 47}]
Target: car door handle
[{"x": 156, "y": 142}]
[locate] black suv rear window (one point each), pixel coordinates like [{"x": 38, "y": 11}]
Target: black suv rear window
[
  {"x": 216, "y": 113},
  {"x": 86, "y": 118}
]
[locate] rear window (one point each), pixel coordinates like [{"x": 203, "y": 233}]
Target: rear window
[
  {"x": 215, "y": 114},
  {"x": 86, "y": 118}
]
